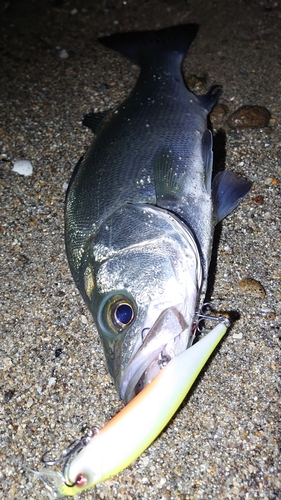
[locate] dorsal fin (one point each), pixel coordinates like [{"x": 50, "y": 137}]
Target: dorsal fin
[{"x": 210, "y": 99}]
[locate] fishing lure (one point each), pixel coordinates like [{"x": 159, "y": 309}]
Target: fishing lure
[{"x": 113, "y": 448}]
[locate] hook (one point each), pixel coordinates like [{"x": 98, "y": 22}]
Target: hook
[
  {"x": 202, "y": 316},
  {"x": 73, "y": 448}
]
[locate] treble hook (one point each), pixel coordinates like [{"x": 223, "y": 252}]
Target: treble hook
[
  {"x": 202, "y": 316},
  {"x": 73, "y": 448}
]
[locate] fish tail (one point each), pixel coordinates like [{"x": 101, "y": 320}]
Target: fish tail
[{"x": 142, "y": 46}]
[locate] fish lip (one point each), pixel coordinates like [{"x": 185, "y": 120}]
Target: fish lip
[
  {"x": 139, "y": 376},
  {"x": 146, "y": 361}
]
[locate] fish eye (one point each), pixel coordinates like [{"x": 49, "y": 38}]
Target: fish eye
[
  {"x": 120, "y": 312},
  {"x": 123, "y": 314},
  {"x": 117, "y": 311}
]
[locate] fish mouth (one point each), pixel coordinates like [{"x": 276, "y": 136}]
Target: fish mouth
[{"x": 165, "y": 339}]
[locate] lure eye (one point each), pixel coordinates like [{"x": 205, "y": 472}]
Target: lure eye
[{"x": 81, "y": 481}]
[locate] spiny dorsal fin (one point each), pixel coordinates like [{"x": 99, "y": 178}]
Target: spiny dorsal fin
[{"x": 210, "y": 99}]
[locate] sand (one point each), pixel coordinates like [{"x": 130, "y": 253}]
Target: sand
[{"x": 223, "y": 442}]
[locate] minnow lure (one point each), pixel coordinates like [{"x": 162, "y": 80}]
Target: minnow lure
[{"x": 135, "y": 427}]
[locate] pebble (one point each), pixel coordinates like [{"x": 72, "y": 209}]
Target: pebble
[
  {"x": 269, "y": 315},
  {"x": 252, "y": 287},
  {"x": 23, "y": 167},
  {"x": 58, "y": 352},
  {"x": 259, "y": 199},
  {"x": 84, "y": 319},
  {"x": 51, "y": 381},
  {"x": 218, "y": 114},
  {"x": 63, "y": 54},
  {"x": 8, "y": 395},
  {"x": 195, "y": 82},
  {"x": 238, "y": 336},
  {"x": 249, "y": 117},
  {"x": 29, "y": 402}
]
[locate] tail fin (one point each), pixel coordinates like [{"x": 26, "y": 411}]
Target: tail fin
[{"x": 141, "y": 46}]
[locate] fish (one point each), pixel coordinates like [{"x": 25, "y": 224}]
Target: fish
[
  {"x": 103, "y": 453},
  {"x": 141, "y": 209}
]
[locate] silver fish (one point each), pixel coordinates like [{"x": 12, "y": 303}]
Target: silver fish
[{"x": 141, "y": 210}]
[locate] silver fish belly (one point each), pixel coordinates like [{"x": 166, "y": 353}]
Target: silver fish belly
[{"x": 141, "y": 210}]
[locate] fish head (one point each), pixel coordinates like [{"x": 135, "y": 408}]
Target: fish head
[{"x": 146, "y": 276}]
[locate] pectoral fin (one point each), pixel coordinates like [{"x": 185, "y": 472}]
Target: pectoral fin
[
  {"x": 94, "y": 120},
  {"x": 207, "y": 156},
  {"x": 169, "y": 187}
]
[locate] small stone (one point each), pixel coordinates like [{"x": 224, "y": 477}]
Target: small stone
[
  {"x": 63, "y": 54},
  {"x": 252, "y": 287},
  {"x": 259, "y": 199},
  {"x": 23, "y": 167},
  {"x": 6, "y": 363},
  {"x": 84, "y": 319},
  {"x": 8, "y": 395},
  {"x": 161, "y": 482},
  {"x": 268, "y": 313},
  {"x": 218, "y": 114},
  {"x": 238, "y": 336},
  {"x": 29, "y": 402},
  {"x": 22, "y": 261},
  {"x": 58, "y": 352},
  {"x": 249, "y": 117},
  {"x": 51, "y": 381},
  {"x": 195, "y": 82}
]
